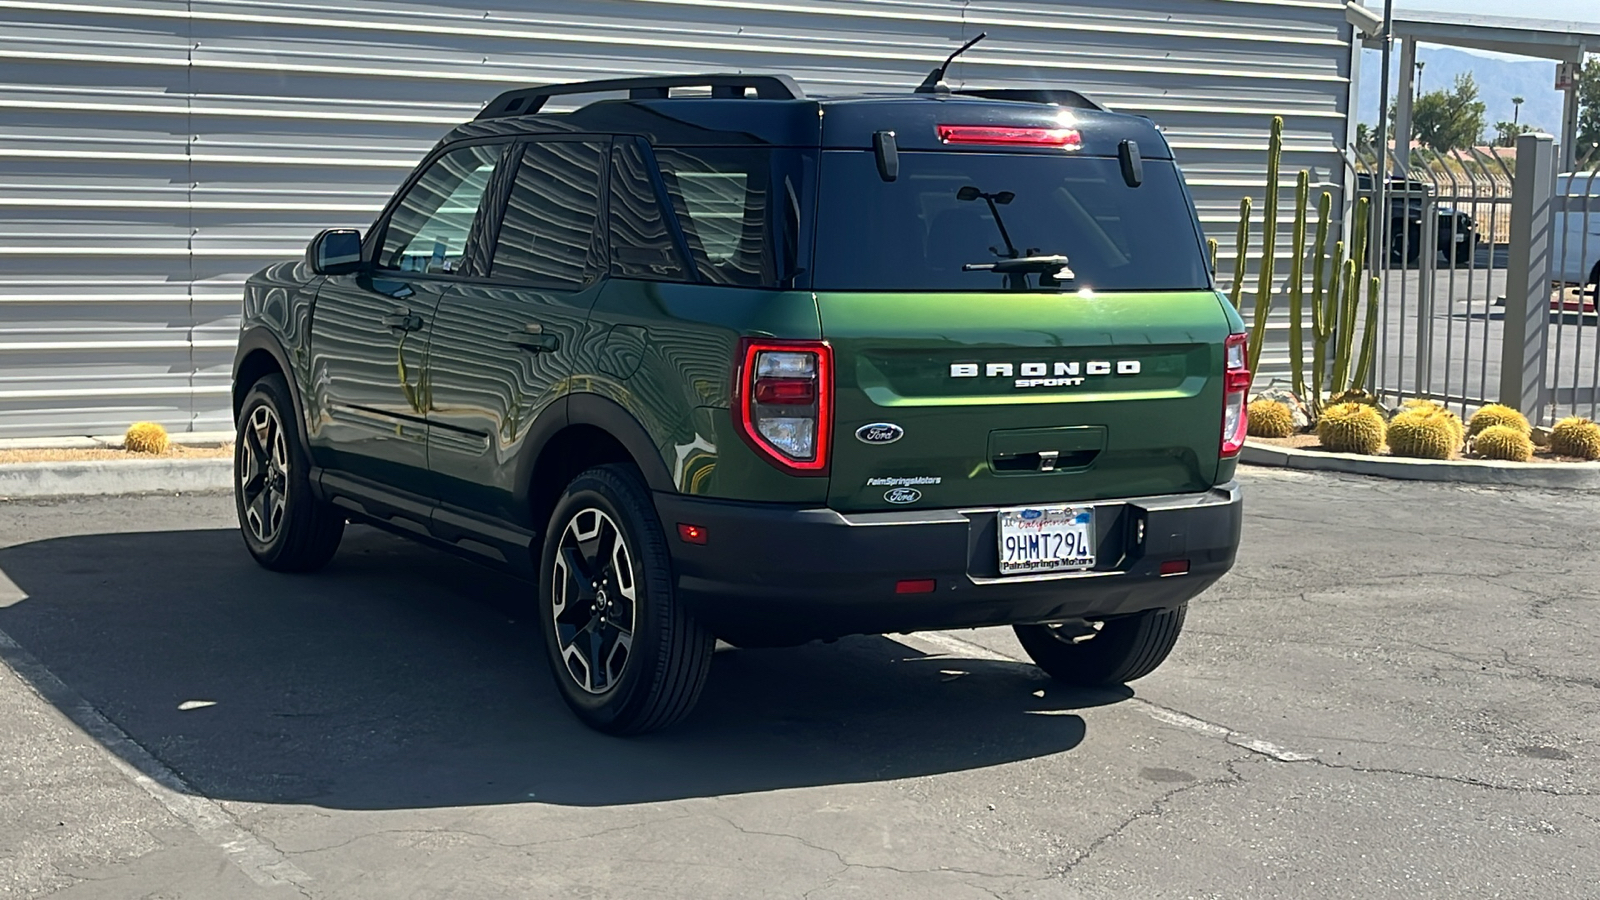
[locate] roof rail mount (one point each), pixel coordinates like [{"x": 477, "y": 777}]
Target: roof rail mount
[
  {"x": 934, "y": 83},
  {"x": 528, "y": 101}
]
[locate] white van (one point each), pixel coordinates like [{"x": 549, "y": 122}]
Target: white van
[{"x": 1576, "y": 229}]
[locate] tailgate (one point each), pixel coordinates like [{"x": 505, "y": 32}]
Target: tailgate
[{"x": 983, "y": 399}]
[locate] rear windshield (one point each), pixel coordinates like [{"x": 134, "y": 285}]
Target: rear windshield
[{"x": 916, "y": 232}]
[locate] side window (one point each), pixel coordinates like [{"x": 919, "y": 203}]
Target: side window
[
  {"x": 641, "y": 245},
  {"x": 549, "y": 225},
  {"x": 721, "y": 198},
  {"x": 429, "y": 228}
]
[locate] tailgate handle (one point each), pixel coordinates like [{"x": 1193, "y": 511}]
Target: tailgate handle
[{"x": 1044, "y": 461}]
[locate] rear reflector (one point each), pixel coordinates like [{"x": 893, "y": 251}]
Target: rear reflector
[
  {"x": 1175, "y": 567},
  {"x": 691, "y": 534},
  {"x": 1064, "y": 138},
  {"x": 915, "y": 586}
]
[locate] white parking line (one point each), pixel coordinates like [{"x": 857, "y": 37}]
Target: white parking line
[
  {"x": 966, "y": 649},
  {"x": 256, "y": 858}
]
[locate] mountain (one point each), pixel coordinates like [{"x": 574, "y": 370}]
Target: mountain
[{"x": 1499, "y": 79}]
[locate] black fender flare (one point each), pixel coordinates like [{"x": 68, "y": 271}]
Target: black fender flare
[
  {"x": 610, "y": 416},
  {"x": 599, "y": 412},
  {"x": 262, "y": 338}
]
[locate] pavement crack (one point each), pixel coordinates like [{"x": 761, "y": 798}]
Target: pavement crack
[
  {"x": 1152, "y": 810},
  {"x": 846, "y": 864},
  {"x": 1457, "y": 779}
]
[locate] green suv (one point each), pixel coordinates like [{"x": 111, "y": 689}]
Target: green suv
[{"x": 767, "y": 368}]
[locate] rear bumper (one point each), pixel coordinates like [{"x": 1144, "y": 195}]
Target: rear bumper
[{"x": 775, "y": 574}]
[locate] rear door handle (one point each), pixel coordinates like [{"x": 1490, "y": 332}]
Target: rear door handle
[
  {"x": 404, "y": 321},
  {"x": 533, "y": 339}
]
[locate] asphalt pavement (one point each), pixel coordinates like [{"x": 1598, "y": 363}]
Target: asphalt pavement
[{"x": 1395, "y": 694}]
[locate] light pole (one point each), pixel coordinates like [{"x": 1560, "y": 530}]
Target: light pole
[{"x": 1380, "y": 189}]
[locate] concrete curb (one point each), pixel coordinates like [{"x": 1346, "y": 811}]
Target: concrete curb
[
  {"x": 130, "y": 476},
  {"x": 1579, "y": 476}
]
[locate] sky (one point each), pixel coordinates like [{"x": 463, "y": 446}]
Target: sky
[{"x": 1587, "y": 11}]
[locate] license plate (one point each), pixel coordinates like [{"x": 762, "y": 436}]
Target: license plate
[{"x": 1046, "y": 539}]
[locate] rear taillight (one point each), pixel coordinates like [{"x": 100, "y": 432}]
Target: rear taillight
[
  {"x": 783, "y": 402},
  {"x": 1235, "y": 387}
]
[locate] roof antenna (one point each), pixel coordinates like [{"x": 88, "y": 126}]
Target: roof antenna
[{"x": 934, "y": 83}]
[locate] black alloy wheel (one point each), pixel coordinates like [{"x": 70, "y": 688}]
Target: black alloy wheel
[
  {"x": 626, "y": 655},
  {"x": 263, "y": 473},
  {"x": 593, "y": 598},
  {"x": 284, "y": 525}
]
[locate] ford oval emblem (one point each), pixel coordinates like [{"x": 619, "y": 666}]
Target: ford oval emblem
[
  {"x": 1032, "y": 514},
  {"x": 903, "y": 495},
  {"x": 880, "y": 433}
]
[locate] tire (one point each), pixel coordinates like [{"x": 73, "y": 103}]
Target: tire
[
  {"x": 1124, "y": 649},
  {"x": 605, "y": 583},
  {"x": 1465, "y": 250},
  {"x": 284, "y": 525},
  {"x": 1405, "y": 247}
]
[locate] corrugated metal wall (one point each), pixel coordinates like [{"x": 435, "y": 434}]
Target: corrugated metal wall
[{"x": 155, "y": 152}]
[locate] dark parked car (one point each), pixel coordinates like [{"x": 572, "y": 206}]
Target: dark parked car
[
  {"x": 1457, "y": 239},
  {"x": 767, "y": 368}
]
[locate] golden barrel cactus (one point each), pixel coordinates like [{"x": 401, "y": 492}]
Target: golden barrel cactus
[
  {"x": 1503, "y": 442},
  {"x": 1496, "y": 414},
  {"x": 1576, "y": 436},
  {"x": 1351, "y": 428},
  {"x": 1435, "y": 409},
  {"x": 145, "y": 437},
  {"x": 1270, "y": 419},
  {"x": 1424, "y": 433},
  {"x": 1355, "y": 395}
]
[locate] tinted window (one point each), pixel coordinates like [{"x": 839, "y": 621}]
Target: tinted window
[
  {"x": 429, "y": 229},
  {"x": 548, "y": 231},
  {"x": 917, "y": 232},
  {"x": 641, "y": 243},
  {"x": 722, "y": 200}
]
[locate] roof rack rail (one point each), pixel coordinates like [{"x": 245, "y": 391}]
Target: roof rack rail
[
  {"x": 1052, "y": 96},
  {"x": 527, "y": 101}
]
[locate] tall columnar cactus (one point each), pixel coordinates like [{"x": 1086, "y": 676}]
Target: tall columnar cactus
[
  {"x": 1269, "y": 245},
  {"x": 1345, "y": 329},
  {"x": 1211, "y": 253},
  {"x": 1297, "y": 288},
  {"x": 1241, "y": 252},
  {"x": 1324, "y": 310},
  {"x": 1369, "y": 334}
]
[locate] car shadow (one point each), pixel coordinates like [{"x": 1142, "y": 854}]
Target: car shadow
[{"x": 400, "y": 677}]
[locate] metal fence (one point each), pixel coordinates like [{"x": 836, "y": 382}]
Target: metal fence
[{"x": 1488, "y": 262}]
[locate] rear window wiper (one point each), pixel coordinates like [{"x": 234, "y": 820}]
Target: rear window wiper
[{"x": 1052, "y": 270}]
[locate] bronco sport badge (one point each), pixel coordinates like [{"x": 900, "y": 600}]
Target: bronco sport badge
[{"x": 1038, "y": 374}]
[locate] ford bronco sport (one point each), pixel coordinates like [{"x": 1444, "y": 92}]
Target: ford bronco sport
[{"x": 767, "y": 368}]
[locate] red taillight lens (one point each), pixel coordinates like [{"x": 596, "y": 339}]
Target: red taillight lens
[
  {"x": 783, "y": 402},
  {"x": 786, "y": 391},
  {"x": 1064, "y": 138},
  {"x": 915, "y": 586},
  {"x": 1235, "y": 388}
]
